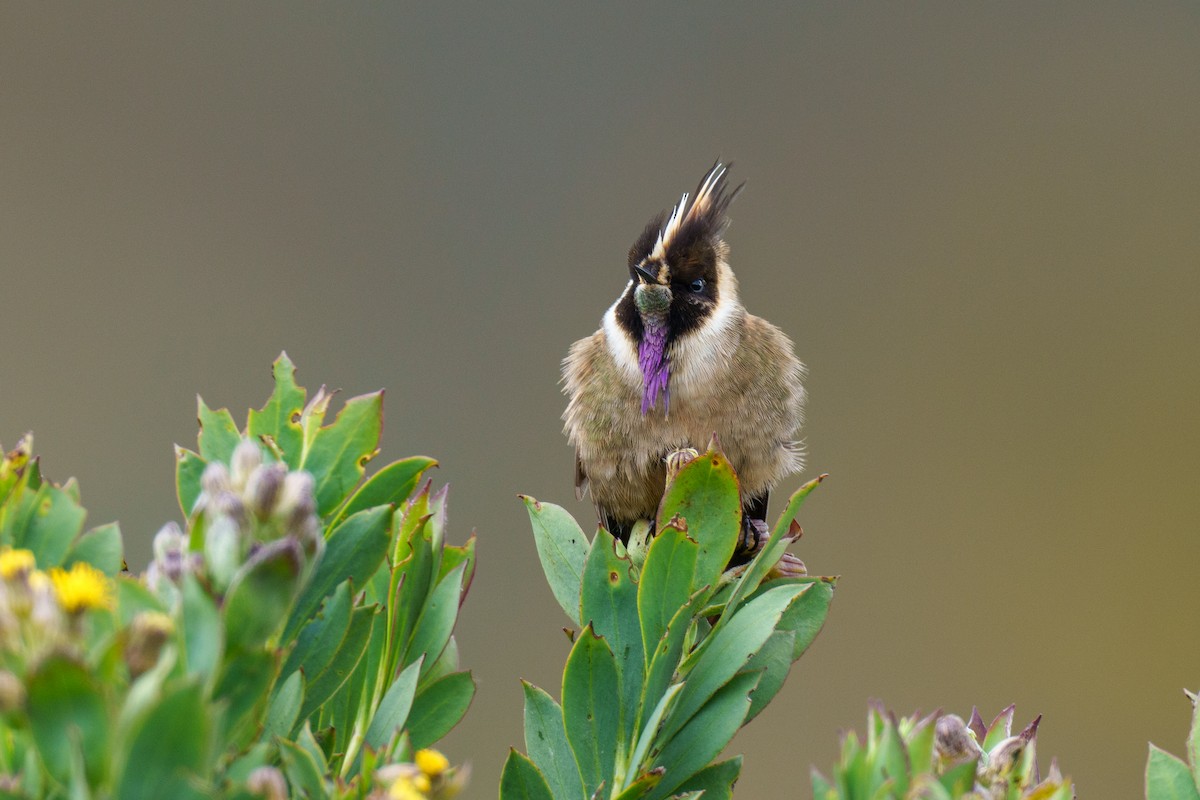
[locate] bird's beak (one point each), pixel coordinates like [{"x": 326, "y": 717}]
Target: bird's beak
[{"x": 645, "y": 275}]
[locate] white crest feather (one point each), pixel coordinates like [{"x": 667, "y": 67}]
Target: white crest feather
[{"x": 684, "y": 211}]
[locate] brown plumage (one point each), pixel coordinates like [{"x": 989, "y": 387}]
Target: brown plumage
[{"x": 729, "y": 372}]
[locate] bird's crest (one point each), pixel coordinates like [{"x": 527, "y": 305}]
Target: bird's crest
[{"x": 701, "y": 215}]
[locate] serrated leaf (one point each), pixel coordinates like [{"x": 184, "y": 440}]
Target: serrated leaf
[
  {"x": 392, "y": 484},
  {"x": 706, "y": 494},
  {"x": 591, "y": 718},
  {"x": 1168, "y": 777},
  {"x": 279, "y": 419},
  {"x": 219, "y": 435},
  {"x": 189, "y": 467},
  {"x": 339, "y": 452},
  {"x": 354, "y": 550},
  {"x": 609, "y": 604},
  {"x": 164, "y": 758},
  {"x": 394, "y": 708},
  {"x": 66, "y": 706},
  {"x": 521, "y": 780},
  {"x": 665, "y": 584},
  {"x": 727, "y": 650},
  {"x": 101, "y": 547},
  {"x": 705, "y": 735},
  {"x": 546, "y": 743},
  {"x": 438, "y": 707},
  {"x": 562, "y": 549}
]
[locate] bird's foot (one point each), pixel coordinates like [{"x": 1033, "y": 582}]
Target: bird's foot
[{"x": 753, "y": 539}]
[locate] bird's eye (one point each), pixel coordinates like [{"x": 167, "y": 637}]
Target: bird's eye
[{"x": 697, "y": 286}]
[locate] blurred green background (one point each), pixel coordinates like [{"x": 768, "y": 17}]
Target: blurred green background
[{"x": 978, "y": 223}]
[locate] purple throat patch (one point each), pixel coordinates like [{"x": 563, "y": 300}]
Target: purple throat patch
[{"x": 655, "y": 366}]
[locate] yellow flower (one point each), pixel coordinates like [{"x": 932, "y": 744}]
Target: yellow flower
[
  {"x": 431, "y": 762},
  {"x": 15, "y": 562},
  {"x": 82, "y": 588},
  {"x": 404, "y": 788}
]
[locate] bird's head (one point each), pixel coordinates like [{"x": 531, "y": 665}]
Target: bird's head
[{"x": 679, "y": 279}]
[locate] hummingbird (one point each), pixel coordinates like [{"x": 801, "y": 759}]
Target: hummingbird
[{"x": 678, "y": 360}]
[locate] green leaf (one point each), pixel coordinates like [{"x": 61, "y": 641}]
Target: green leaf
[
  {"x": 438, "y": 707},
  {"x": 806, "y": 616},
  {"x": 521, "y": 780},
  {"x": 101, "y": 547},
  {"x": 390, "y": 485},
  {"x": 340, "y": 451},
  {"x": 302, "y": 770},
  {"x": 609, "y": 604},
  {"x": 202, "y": 637},
  {"x": 279, "y": 419},
  {"x": 437, "y": 619},
  {"x": 354, "y": 550},
  {"x": 218, "y": 433},
  {"x": 665, "y": 659},
  {"x": 189, "y": 467},
  {"x": 261, "y": 593},
  {"x": 562, "y": 548},
  {"x": 715, "y": 780},
  {"x": 47, "y": 524},
  {"x": 546, "y": 743},
  {"x": 784, "y": 523},
  {"x": 323, "y": 686},
  {"x": 319, "y": 640},
  {"x": 769, "y": 555},
  {"x": 773, "y": 660},
  {"x": 591, "y": 718},
  {"x": 394, "y": 708},
  {"x": 665, "y": 584},
  {"x": 1193, "y": 744},
  {"x": 705, "y": 735},
  {"x": 67, "y": 709},
  {"x": 284, "y": 708},
  {"x": 727, "y": 650},
  {"x": 133, "y": 598},
  {"x": 706, "y": 494},
  {"x": 245, "y": 687},
  {"x": 166, "y": 757},
  {"x": 958, "y": 780},
  {"x": 1168, "y": 777}
]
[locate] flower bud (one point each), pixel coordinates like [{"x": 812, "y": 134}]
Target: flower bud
[
  {"x": 170, "y": 549},
  {"x": 223, "y": 550},
  {"x": 267, "y": 782},
  {"x": 147, "y": 635},
  {"x": 296, "y": 501},
  {"x": 215, "y": 479},
  {"x": 263, "y": 488},
  {"x": 246, "y": 458}
]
